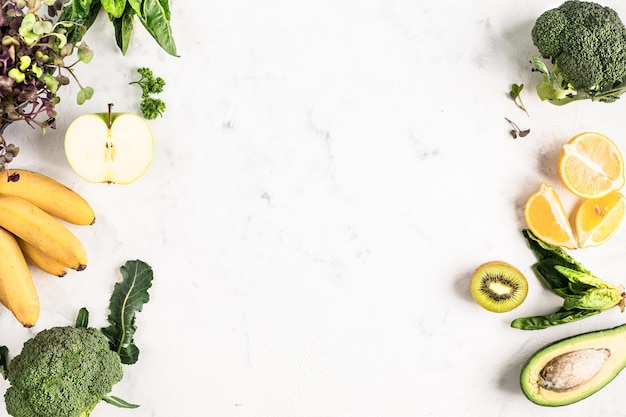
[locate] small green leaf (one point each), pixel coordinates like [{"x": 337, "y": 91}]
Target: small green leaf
[
  {"x": 128, "y": 297},
  {"x": 84, "y": 94},
  {"x": 118, "y": 402},
  {"x": 28, "y": 23},
  {"x": 42, "y": 27},
  {"x": 84, "y": 53},
  {"x": 82, "y": 319},
  {"x": 24, "y": 62},
  {"x": 51, "y": 83},
  {"x": 37, "y": 71},
  {"x": 17, "y": 75}
]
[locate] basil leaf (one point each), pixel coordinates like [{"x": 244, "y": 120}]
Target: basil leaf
[
  {"x": 128, "y": 297},
  {"x": 154, "y": 15},
  {"x": 114, "y": 8},
  {"x": 124, "y": 28},
  {"x": 562, "y": 316}
]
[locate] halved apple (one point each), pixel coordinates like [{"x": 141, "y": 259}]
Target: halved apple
[{"x": 109, "y": 147}]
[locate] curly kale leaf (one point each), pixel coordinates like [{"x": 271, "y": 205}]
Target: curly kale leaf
[{"x": 127, "y": 299}]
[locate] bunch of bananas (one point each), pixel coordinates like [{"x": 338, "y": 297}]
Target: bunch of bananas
[{"x": 33, "y": 209}]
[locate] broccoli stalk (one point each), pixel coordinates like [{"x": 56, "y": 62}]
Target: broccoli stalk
[{"x": 585, "y": 43}]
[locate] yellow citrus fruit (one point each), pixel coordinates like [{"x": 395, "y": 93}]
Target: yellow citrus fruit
[
  {"x": 597, "y": 219},
  {"x": 591, "y": 165},
  {"x": 546, "y": 218}
]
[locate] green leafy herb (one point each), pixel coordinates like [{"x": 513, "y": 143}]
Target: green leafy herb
[
  {"x": 128, "y": 297},
  {"x": 36, "y": 59},
  {"x": 514, "y": 94},
  {"x": 583, "y": 293},
  {"x": 150, "y": 107},
  {"x": 154, "y": 15}
]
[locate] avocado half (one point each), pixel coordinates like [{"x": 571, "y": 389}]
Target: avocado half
[{"x": 574, "y": 368}]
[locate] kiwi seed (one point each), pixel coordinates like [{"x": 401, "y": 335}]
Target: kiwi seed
[{"x": 498, "y": 286}]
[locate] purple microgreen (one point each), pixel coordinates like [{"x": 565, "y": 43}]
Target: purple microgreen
[{"x": 516, "y": 131}]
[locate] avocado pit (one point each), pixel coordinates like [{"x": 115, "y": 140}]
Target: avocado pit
[{"x": 570, "y": 370}]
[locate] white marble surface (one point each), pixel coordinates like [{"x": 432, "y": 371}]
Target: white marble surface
[{"x": 326, "y": 177}]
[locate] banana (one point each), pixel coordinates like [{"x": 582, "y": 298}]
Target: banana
[
  {"x": 17, "y": 290},
  {"x": 49, "y": 194},
  {"x": 32, "y": 224},
  {"x": 41, "y": 259}
]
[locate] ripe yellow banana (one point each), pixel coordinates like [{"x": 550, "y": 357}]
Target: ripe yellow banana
[
  {"x": 41, "y": 259},
  {"x": 49, "y": 194},
  {"x": 30, "y": 223},
  {"x": 17, "y": 290}
]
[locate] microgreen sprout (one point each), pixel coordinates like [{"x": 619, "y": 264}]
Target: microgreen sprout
[
  {"x": 33, "y": 65},
  {"x": 514, "y": 94},
  {"x": 516, "y": 131}
]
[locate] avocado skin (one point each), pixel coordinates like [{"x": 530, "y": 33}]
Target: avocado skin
[{"x": 613, "y": 339}]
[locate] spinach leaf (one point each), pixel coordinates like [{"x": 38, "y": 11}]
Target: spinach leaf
[
  {"x": 114, "y": 8},
  {"x": 128, "y": 297},
  {"x": 583, "y": 293},
  {"x": 154, "y": 15},
  {"x": 596, "y": 299},
  {"x": 561, "y": 316},
  {"x": 583, "y": 279},
  {"x": 123, "y": 26},
  {"x": 83, "y": 14},
  {"x": 543, "y": 250}
]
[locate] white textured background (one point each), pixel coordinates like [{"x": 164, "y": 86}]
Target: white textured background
[{"x": 326, "y": 177}]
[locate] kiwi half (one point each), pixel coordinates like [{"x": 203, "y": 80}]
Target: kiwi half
[{"x": 498, "y": 286}]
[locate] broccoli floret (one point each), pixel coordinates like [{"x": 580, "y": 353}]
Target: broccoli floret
[
  {"x": 62, "y": 371},
  {"x": 586, "y": 45}
]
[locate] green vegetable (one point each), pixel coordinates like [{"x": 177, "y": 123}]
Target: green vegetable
[
  {"x": 128, "y": 297},
  {"x": 35, "y": 61},
  {"x": 150, "y": 107},
  {"x": 583, "y": 293},
  {"x": 78, "y": 360},
  {"x": 586, "y": 46},
  {"x": 154, "y": 15},
  {"x": 67, "y": 371}
]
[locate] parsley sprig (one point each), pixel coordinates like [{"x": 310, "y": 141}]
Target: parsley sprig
[{"x": 150, "y": 107}]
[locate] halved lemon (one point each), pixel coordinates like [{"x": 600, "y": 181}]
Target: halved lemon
[
  {"x": 597, "y": 219},
  {"x": 547, "y": 219},
  {"x": 591, "y": 165}
]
